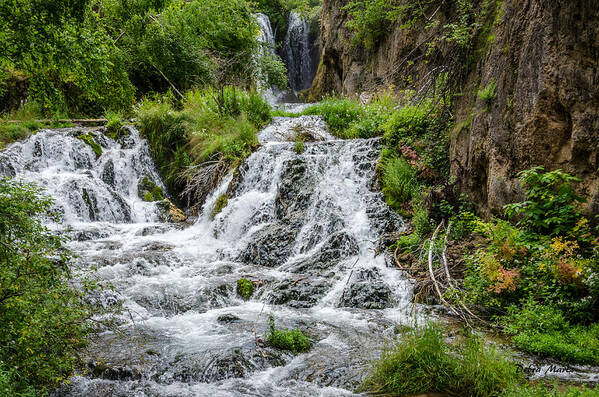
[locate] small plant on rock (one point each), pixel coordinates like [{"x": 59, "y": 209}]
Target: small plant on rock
[
  {"x": 245, "y": 288},
  {"x": 293, "y": 340}
]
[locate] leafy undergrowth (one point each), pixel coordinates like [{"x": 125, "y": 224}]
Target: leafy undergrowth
[
  {"x": 211, "y": 133},
  {"x": 293, "y": 340}
]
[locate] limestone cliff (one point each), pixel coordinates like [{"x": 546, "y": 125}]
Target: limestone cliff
[{"x": 543, "y": 56}]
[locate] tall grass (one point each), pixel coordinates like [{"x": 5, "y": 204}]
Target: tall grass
[
  {"x": 399, "y": 180},
  {"x": 423, "y": 362},
  {"x": 196, "y": 142}
]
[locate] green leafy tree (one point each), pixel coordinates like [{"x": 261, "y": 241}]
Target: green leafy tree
[{"x": 42, "y": 318}]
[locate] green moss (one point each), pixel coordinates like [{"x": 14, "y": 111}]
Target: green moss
[
  {"x": 293, "y": 340},
  {"x": 157, "y": 193},
  {"x": 245, "y": 288},
  {"x": 89, "y": 139},
  {"x": 220, "y": 203},
  {"x": 148, "y": 197}
]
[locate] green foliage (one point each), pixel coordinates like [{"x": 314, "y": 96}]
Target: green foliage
[
  {"x": 213, "y": 127},
  {"x": 422, "y": 362},
  {"x": 338, "y": 113},
  {"x": 550, "y": 206},
  {"x": 543, "y": 330},
  {"x": 12, "y": 132},
  {"x": 89, "y": 139},
  {"x": 92, "y": 56},
  {"x": 42, "y": 318},
  {"x": 219, "y": 205},
  {"x": 487, "y": 95},
  {"x": 245, "y": 288},
  {"x": 399, "y": 181},
  {"x": 293, "y": 340},
  {"x": 370, "y": 19},
  {"x": 114, "y": 123},
  {"x": 299, "y": 146}
]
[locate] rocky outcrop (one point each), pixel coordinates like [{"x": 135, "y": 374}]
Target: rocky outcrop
[
  {"x": 543, "y": 57},
  {"x": 545, "y": 63}
]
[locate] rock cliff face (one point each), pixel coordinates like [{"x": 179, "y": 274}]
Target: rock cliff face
[{"x": 543, "y": 56}]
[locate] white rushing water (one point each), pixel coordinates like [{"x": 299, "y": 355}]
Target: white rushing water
[{"x": 303, "y": 227}]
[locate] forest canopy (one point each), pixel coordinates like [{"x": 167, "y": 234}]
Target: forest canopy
[{"x": 86, "y": 57}]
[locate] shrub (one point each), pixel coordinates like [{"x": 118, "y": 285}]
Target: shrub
[
  {"x": 42, "y": 318},
  {"x": 245, "y": 288},
  {"x": 293, "y": 340},
  {"x": 338, "y": 113},
  {"x": 114, "y": 123},
  {"x": 543, "y": 330},
  {"x": 550, "y": 207}
]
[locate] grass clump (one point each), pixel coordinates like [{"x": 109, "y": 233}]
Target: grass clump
[
  {"x": 422, "y": 362},
  {"x": 293, "y": 340},
  {"x": 91, "y": 142},
  {"x": 399, "y": 180},
  {"x": 543, "y": 330},
  {"x": 195, "y": 143},
  {"x": 245, "y": 288},
  {"x": 114, "y": 123},
  {"x": 219, "y": 205}
]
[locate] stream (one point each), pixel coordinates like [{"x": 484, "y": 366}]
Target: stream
[{"x": 303, "y": 227}]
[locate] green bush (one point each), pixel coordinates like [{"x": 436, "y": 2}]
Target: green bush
[
  {"x": 422, "y": 362},
  {"x": 293, "y": 340},
  {"x": 338, "y": 113},
  {"x": 550, "y": 207},
  {"x": 43, "y": 320},
  {"x": 215, "y": 128},
  {"x": 543, "y": 330},
  {"x": 245, "y": 288},
  {"x": 114, "y": 123}
]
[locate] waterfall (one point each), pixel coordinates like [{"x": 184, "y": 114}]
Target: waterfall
[
  {"x": 266, "y": 35},
  {"x": 86, "y": 187},
  {"x": 303, "y": 227},
  {"x": 300, "y": 53}
]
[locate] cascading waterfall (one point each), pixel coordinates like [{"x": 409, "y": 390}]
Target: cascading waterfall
[
  {"x": 303, "y": 227},
  {"x": 266, "y": 37},
  {"x": 299, "y": 53}
]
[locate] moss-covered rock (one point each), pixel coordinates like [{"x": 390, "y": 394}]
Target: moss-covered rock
[
  {"x": 89, "y": 139},
  {"x": 168, "y": 212},
  {"x": 148, "y": 190},
  {"x": 245, "y": 288},
  {"x": 221, "y": 202}
]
